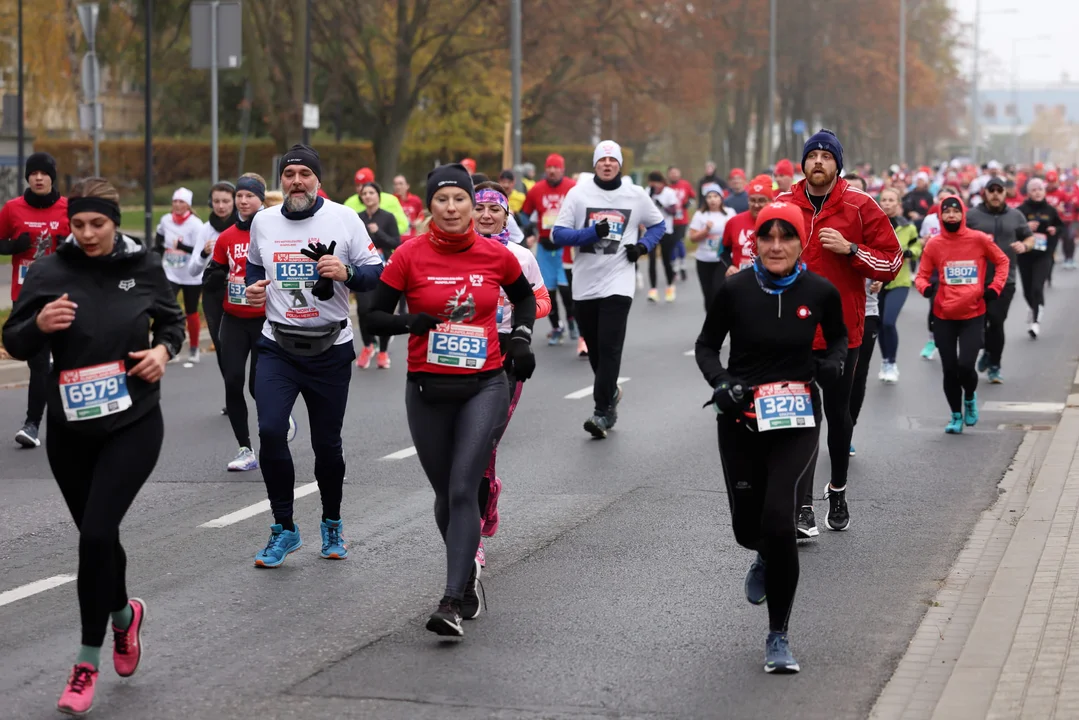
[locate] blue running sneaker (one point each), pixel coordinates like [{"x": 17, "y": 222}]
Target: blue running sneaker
[
  {"x": 555, "y": 337},
  {"x": 994, "y": 376},
  {"x": 955, "y": 425},
  {"x": 291, "y": 429},
  {"x": 929, "y": 350},
  {"x": 334, "y": 546},
  {"x": 983, "y": 362},
  {"x": 970, "y": 410},
  {"x": 852, "y": 451},
  {"x": 755, "y": 593},
  {"x": 778, "y": 657},
  {"x": 574, "y": 331},
  {"x": 282, "y": 543}
]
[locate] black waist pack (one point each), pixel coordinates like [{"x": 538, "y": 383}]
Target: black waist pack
[
  {"x": 307, "y": 341},
  {"x": 448, "y": 388}
]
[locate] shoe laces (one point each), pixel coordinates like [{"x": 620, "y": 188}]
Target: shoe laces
[
  {"x": 333, "y": 534},
  {"x": 450, "y": 606},
  {"x": 81, "y": 675},
  {"x": 777, "y": 644},
  {"x": 275, "y": 538},
  {"x": 121, "y": 640}
]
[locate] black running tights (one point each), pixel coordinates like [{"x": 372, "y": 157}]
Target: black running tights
[
  {"x": 1034, "y": 270},
  {"x": 711, "y": 275},
  {"x": 453, "y": 443},
  {"x": 836, "y": 399},
  {"x": 239, "y": 341},
  {"x": 666, "y": 250},
  {"x": 99, "y": 478},
  {"x": 762, "y": 472},
  {"x": 861, "y": 373},
  {"x": 959, "y": 342}
]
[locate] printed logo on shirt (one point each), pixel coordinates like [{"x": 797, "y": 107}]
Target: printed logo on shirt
[
  {"x": 476, "y": 280},
  {"x": 126, "y": 285},
  {"x": 54, "y": 225},
  {"x": 617, "y": 220},
  {"x": 442, "y": 279},
  {"x": 803, "y": 312},
  {"x": 302, "y": 314},
  {"x": 460, "y": 307}
]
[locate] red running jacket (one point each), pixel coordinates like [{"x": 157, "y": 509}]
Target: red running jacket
[
  {"x": 858, "y": 218},
  {"x": 960, "y": 258}
]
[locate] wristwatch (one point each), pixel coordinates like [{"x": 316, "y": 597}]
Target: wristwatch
[{"x": 853, "y": 249}]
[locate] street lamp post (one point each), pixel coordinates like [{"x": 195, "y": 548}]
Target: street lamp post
[
  {"x": 21, "y": 121},
  {"x": 902, "y": 81},
  {"x": 769, "y": 148},
  {"x": 515, "y": 81},
  {"x": 148, "y": 145}
]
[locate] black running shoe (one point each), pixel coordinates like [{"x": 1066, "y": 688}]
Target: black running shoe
[
  {"x": 807, "y": 523},
  {"x": 597, "y": 425},
  {"x": 837, "y": 517},
  {"x": 471, "y": 604},
  {"x": 446, "y": 621},
  {"x": 28, "y": 436}
]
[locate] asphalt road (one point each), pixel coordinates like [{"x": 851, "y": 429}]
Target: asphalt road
[{"x": 614, "y": 585}]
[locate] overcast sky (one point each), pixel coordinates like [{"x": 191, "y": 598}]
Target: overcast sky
[{"x": 1058, "y": 20}]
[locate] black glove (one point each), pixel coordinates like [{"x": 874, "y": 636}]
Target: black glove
[
  {"x": 930, "y": 291},
  {"x": 548, "y": 244},
  {"x": 635, "y": 251},
  {"x": 908, "y": 254},
  {"x": 520, "y": 362},
  {"x": 990, "y": 294},
  {"x": 829, "y": 372},
  {"x": 22, "y": 243},
  {"x": 731, "y": 396},
  {"x": 422, "y": 323},
  {"x": 603, "y": 229},
  {"x": 323, "y": 289}
]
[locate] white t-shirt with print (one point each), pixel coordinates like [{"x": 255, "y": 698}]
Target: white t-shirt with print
[
  {"x": 275, "y": 245},
  {"x": 176, "y": 261},
  {"x": 601, "y": 269},
  {"x": 710, "y": 248},
  {"x": 664, "y": 199},
  {"x": 530, "y": 269}
]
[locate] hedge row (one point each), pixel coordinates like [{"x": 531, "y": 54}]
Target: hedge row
[{"x": 177, "y": 161}]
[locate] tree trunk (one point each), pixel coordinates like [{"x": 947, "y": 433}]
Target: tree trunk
[{"x": 387, "y": 141}]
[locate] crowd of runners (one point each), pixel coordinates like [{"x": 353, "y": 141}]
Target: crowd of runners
[{"x": 804, "y": 269}]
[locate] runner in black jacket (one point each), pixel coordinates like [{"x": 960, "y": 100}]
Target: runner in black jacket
[
  {"x": 1036, "y": 266},
  {"x": 770, "y": 410},
  {"x": 95, "y": 304}
]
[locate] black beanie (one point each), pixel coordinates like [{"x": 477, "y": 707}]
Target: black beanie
[
  {"x": 41, "y": 162},
  {"x": 303, "y": 155},
  {"x": 451, "y": 175}
]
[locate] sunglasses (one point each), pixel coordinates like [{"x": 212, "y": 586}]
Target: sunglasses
[{"x": 994, "y": 190}]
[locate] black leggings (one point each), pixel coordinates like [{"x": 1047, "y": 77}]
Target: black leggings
[
  {"x": 38, "y": 391},
  {"x": 861, "y": 373},
  {"x": 363, "y": 306},
  {"x": 666, "y": 250},
  {"x": 454, "y": 443},
  {"x": 711, "y": 275},
  {"x": 99, "y": 478},
  {"x": 836, "y": 399},
  {"x": 566, "y": 293},
  {"x": 603, "y": 327},
  {"x": 1034, "y": 270},
  {"x": 191, "y": 294},
  {"x": 763, "y": 472},
  {"x": 959, "y": 342},
  {"x": 996, "y": 312},
  {"x": 213, "y": 307},
  {"x": 239, "y": 338}
]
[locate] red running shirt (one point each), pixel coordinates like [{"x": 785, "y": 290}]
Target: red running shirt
[
  {"x": 47, "y": 227},
  {"x": 231, "y": 250},
  {"x": 739, "y": 235},
  {"x": 460, "y": 288}
]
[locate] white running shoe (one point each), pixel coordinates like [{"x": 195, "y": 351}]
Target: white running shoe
[
  {"x": 291, "y": 429},
  {"x": 245, "y": 460},
  {"x": 193, "y": 356},
  {"x": 1034, "y": 330}
]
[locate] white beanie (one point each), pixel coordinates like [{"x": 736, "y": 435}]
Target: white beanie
[
  {"x": 607, "y": 148},
  {"x": 183, "y": 194}
]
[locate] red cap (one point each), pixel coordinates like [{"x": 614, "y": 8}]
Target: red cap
[
  {"x": 470, "y": 165},
  {"x": 738, "y": 172},
  {"x": 761, "y": 185},
  {"x": 364, "y": 175},
  {"x": 785, "y": 168},
  {"x": 556, "y": 160},
  {"x": 783, "y": 211},
  {"x": 1052, "y": 177},
  {"x": 1039, "y": 166}
]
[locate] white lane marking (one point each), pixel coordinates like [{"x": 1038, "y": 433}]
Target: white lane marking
[
  {"x": 690, "y": 353},
  {"x": 585, "y": 392},
  {"x": 20, "y": 593},
  {"x": 1077, "y": 376},
  {"x": 1030, "y": 407},
  {"x": 401, "y": 454},
  {"x": 256, "y": 509}
]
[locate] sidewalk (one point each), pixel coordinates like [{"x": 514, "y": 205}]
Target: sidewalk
[{"x": 1000, "y": 640}]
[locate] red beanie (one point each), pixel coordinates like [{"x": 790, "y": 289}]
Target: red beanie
[
  {"x": 785, "y": 168},
  {"x": 783, "y": 211},
  {"x": 738, "y": 172},
  {"x": 364, "y": 175},
  {"x": 470, "y": 165},
  {"x": 761, "y": 185},
  {"x": 556, "y": 160}
]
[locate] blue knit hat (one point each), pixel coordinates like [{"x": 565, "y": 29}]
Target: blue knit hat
[{"x": 824, "y": 140}]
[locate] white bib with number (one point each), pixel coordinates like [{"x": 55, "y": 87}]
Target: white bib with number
[
  {"x": 93, "y": 392},
  {"x": 237, "y": 290},
  {"x": 176, "y": 259},
  {"x": 23, "y": 269},
  {"x": 783, "y": 405},
  {"x": 1041, "y": 242},
  {"x": 293, "y": 271},
  {"x": 457, "y": 345},
  {"x": 960, "y": 272}
]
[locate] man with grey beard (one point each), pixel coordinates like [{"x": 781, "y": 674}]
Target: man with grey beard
[{"x": 304, "y": 258}]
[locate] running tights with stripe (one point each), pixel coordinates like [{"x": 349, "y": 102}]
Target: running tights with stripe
[
  {"x": 99, "y": 478},
  {"x": 763, "y": 472},
  {"x": 453, "y": 443},
  {"x": 959, "y": 342}
]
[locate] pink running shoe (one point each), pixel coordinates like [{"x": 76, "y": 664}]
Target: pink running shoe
[
  {"x": 489, "y": 525},
  {"x": 127, "y": 644},
  {"x": 481, "y": 555},
  {"x": 78, "y": 696},
  {"x": 364, "y": 360},
  {"x": 383, "y": 361}
]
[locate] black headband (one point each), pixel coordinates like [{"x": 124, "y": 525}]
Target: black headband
[
  {"x": 108, "y": 208},
  {"x": 252, "y": 186}
]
